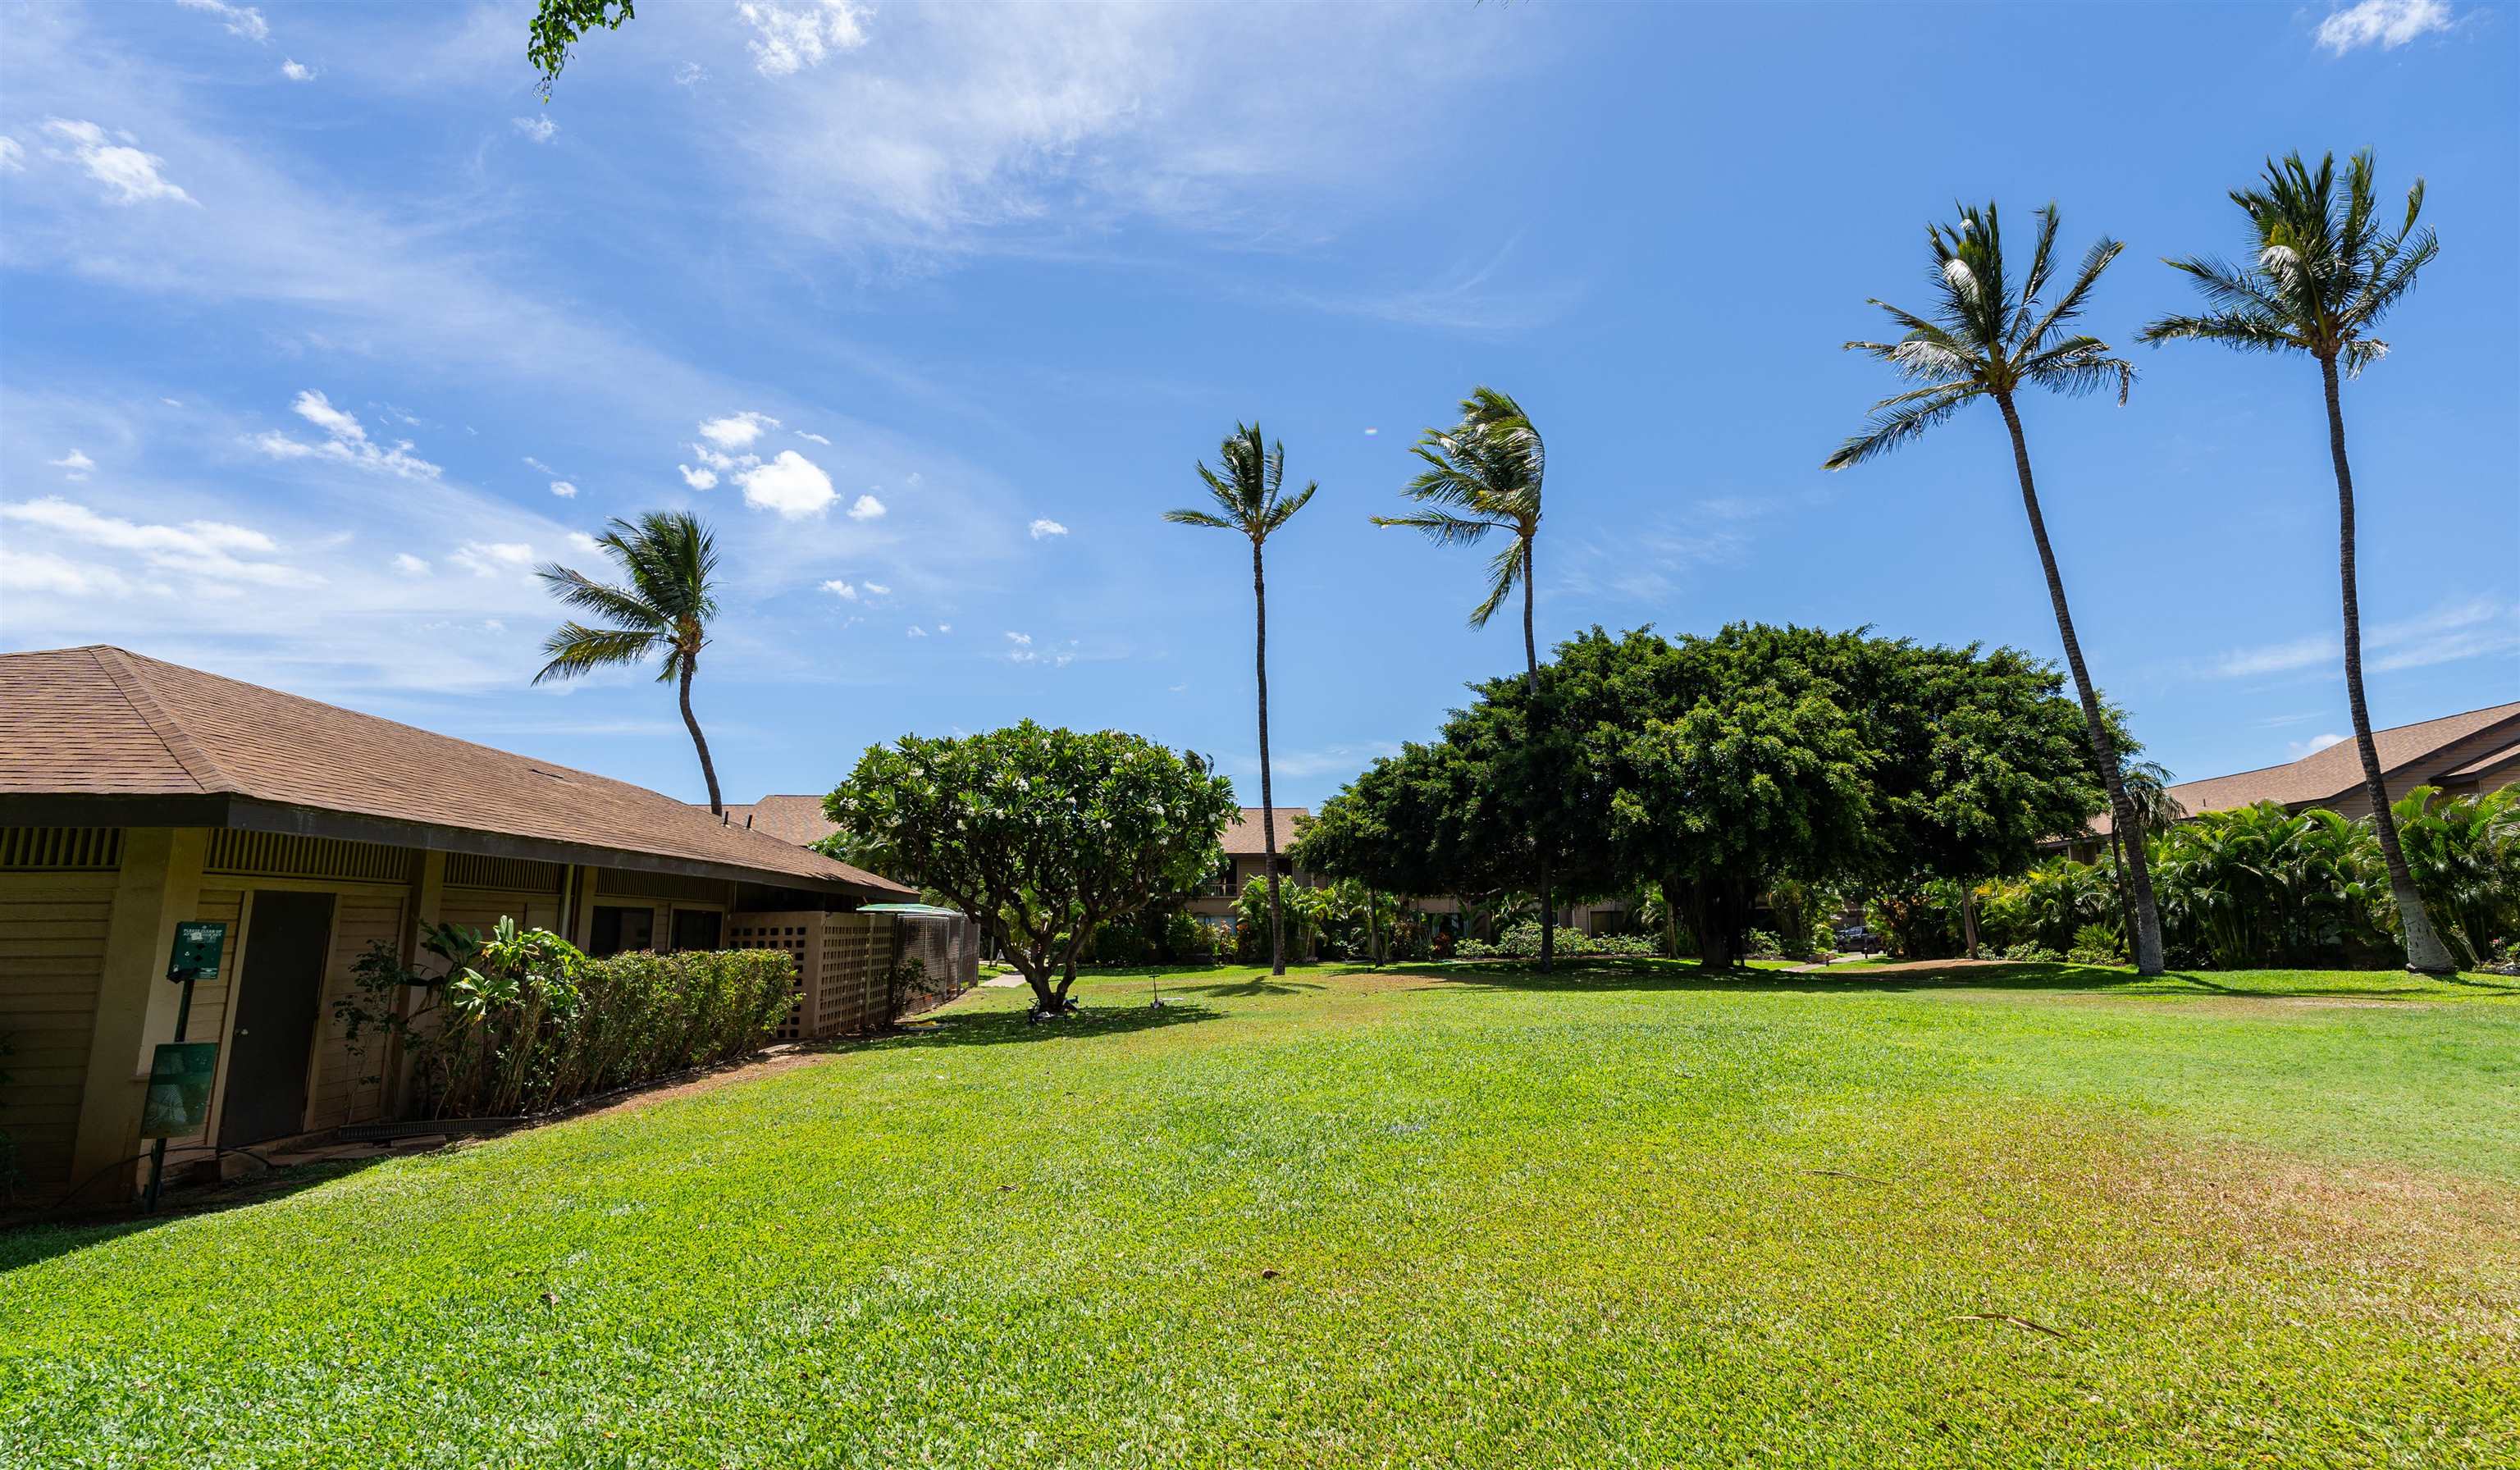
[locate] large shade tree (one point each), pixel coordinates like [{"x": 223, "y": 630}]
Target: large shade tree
[
  {"x": 1484, "y": 475},
  {"x": 1250, "y": 500},
  {"x": 662, "y": 604},
  {"x": 2323, "y": 269},
  {"x": 1991, "y": 337},
  {"x": 1041, "y": 835}
]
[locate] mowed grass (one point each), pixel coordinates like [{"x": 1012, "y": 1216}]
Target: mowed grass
[{"x": 1627, "y": 1216}]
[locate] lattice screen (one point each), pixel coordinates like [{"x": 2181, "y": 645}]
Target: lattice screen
[
  {"x": 514, "y": 874},
  {"x": 288, "y": 855},
  {"x": 61, "y": 849}
]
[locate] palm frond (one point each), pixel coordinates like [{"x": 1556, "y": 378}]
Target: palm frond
[
  {"x": 575, "y": 649},
  {"x": 2250, "y": 332},
  {"x": 1891, "y": 427},
  {"x": 618, "y": 604},
  {"x": 1504, "y": 570},
  {"x": 1442, "y": 527},
  {"x": 1190, "y": 518},
  {"x": 2078, "y": 366}
]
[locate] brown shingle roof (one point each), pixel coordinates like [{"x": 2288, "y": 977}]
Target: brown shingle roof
[
  {"x": 1244, "y": 837},
  {"x": 2326, "y": 776},
  {"x": 101, "y": 721},
  {"x": 798, "y": 820}
]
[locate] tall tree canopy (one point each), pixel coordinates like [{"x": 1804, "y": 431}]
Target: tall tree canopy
[{"x": 1039, "y": 834}]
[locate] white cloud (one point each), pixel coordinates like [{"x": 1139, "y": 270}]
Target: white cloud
[
  {"x": 2475, "y": 628},
  {"x": 1020, "y": 639},
  {"x": 74, "y": 465},
  {"x": 841, "y": 590},
  {"x": 538, "y": 466},
  {"x": 493, "y": 558},
  {"x": 1057, "y": 656},
  {"x": 25, "y": 572},
  {"x": 699, "y": 479},
  {"x": 131, "y": 174},
  {"x": 791, "y": 485},
  {"x": 867, "y": 508},
  {"x": 690, "y": 75},
  {"x": 537, "y": 129},
  {"x": 737, "y": 430},
  {"x": 2386, "y": 23},
  {"x": 1046, "y": 527},
  {"x": 563, "y": 489},
  {"x": 817, "y": 438},
  {"x": 214, "y": 550},
  {"x": 291, "y": 70},
  {"x": 2313, "y": 745},
  {"x": 788, "y": 39},
  {"x": 240, "y": 20},
  {"x": 916, "y": 630},
  {"x": 581, "y": 540},
  {"x": 345, "y": 441},
  {"x": 13, "y": 155},
  {"x": 410, "y": 566},
  {"x": 944, "y": 627},
  {"x": 878, "y": 589}
]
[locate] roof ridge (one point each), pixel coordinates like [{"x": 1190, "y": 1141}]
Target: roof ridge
[{"x": 186, "y": 752}]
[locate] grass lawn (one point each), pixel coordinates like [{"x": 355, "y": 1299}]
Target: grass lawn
[{"x": 2005, "y": 1216}]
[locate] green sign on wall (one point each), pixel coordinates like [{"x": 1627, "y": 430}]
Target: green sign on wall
[
  {"x": 178, "y": 1103},
  {"x": 198, "y": 943}
]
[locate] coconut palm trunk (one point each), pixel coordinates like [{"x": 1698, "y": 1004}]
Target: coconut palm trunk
[
  {"x": 1540, "y": 826},
  {"x": 700, "y": 741},
  {"x": 1268, "y": 807},
  {"x": 2146, "y": 939},
  {"x": 2425, "y": 951}
]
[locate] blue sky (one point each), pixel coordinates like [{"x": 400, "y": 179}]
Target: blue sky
[{"x": 317, "y": 329}]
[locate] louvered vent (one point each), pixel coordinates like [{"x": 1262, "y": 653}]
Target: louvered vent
[
  {"x": 286, "y": 855},
  {"x": 514, "y": 874},
  {"x": 61, "y": 849}
]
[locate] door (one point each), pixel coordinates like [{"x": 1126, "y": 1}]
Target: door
[
  {"x": 696, "y": 928},
  {"x": 281, "y": 992}
]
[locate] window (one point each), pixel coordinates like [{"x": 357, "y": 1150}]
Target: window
[
  {"x": 620, "y": 929},
  {"x": 696, "y": 928}
]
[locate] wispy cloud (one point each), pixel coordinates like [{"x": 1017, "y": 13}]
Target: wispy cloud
[
  {"x": 1044, "y": 528},
  {"x": 2473, "y": 628},
  {"x": 537, "y": 129},
  {"x": 240, "y": 20},
  {"x": 2386, "y": 23},
  {"x": 131, "y": 175},
  {"x": 345, "y": 441}
]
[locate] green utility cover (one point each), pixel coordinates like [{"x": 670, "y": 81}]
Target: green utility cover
[
  {"x": 198, "y": 947},
  {"x": 178, "y": 1101}
]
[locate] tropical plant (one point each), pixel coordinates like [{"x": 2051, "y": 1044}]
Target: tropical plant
[
  {"x": 1987, "y": 339},
  {"x": 558, "y": 25},
  {"x": 1485, "y": 474},
  {"x": 1042, "y": 835},
  {"x": 2148, "y": 798},
  {"x": 2464, "y": 853},
  {"x": 1251, "y": 501},
  {"x": 2259, "y": 885},
  {"x": 2324, "y": 271},
  {"x": 668, "y": 559}
]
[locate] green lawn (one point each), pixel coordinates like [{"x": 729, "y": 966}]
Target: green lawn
[{"x": 1626, "y": 1216}]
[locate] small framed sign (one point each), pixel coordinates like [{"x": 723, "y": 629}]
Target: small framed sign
[
  {"x": 199, "y": 944},
  {"x": 178, "y": 1101}
]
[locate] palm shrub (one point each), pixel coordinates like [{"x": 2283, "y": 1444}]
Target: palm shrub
[
  {"x": 2464, "y": 853},
  {"x": 2259, "y": 885}
]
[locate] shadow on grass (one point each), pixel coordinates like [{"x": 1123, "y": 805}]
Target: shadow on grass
[
  {"x": 997, "y": 1028},
  {"x": 1686, "y": 974},
  {"x": 41, "y": 1234}
]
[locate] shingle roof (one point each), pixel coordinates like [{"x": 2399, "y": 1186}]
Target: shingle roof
[
  {"x": 2334, "y": 773},
  {"x": 1244, "y": 837},
  {"x": 789, "y": 818},
  {"x": 98, "y": 721}
]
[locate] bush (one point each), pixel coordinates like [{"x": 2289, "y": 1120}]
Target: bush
[
  {"x": 2031, "y": 954},
  {"x": 1187, "y": 940},
  {"x": 2098, "y": 944},
  {"x": 1521, "y": 941},
  {"x": 1119, "y": 942},
  {"x": 522, "y": 1021},
  {"x": 1760, "y": 944}
]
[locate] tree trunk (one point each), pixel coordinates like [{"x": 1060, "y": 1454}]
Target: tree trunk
[
  {"x": 2425, "y": 952},
  {"x": 2146, "y": 939},
  {"x": 2117, "y": 850},
  {"x": 1268, "y": 813},
  {"x": 1540, "y": 828},
  {"x": 699, "y": 742},
  {"x": 1968, "y": 918}
]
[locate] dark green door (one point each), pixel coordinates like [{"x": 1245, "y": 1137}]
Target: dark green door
[{"x": 279, "y": 992}]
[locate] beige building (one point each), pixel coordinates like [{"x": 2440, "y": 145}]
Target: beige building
[
  {"x": 2462, "y": 754},
  {"x": 136, "y": 794},
  {"x": 1246, "y": 859}
]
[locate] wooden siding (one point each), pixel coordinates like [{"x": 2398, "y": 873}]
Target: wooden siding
[
  {"x": 482, "y": 908},
  {"x": 347, "y": 1087},
  {"x": 51, "y": 962}
]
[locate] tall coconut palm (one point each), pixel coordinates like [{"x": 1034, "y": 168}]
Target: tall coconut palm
[
  {"x": 2321, "y": 274},
  {"x": 1988, "y": 337},
  {"x": 1484, "y": 475},
  {"x": 662, "y": 604},
  {"x": 2148, "y": 789},
  {"x": 1251, "y": 501}
]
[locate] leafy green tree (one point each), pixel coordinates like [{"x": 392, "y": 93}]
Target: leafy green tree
[
  {"x": 1251, "y": 501},
  {"x": 2322, "y": 272},
  {"x": 1039, "y": 834},
  {"x": 1484, "y": 475},
  {"x": 2465, "y": 852},
  {"x": 668, "y": 561},
  {"x": 558, "y": 25},
  {"x": 1987, "y": 338}
]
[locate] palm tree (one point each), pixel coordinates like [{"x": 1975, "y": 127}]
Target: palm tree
[
  {"x": 1987, "y": 339},
  {"x": 664, "y": 602},
  {"x": 2148, "y": 789},
  {"x": 1483, "y": 474},
  {"x": 2322, "y": 275},
  {"x": 1250, "y": 498}
]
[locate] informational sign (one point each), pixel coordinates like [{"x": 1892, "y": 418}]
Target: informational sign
[
  {"x": 178, "y": 1103},
  {"x": 199, "y": 944}
]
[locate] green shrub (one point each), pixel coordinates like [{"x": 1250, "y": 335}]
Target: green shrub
[
  {"x": 1120, "y": 943},
  {"x": 1521, "y": 941},
  {"x": 522, "y": 1021},
  {"x": 2098, "y": 944}
]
